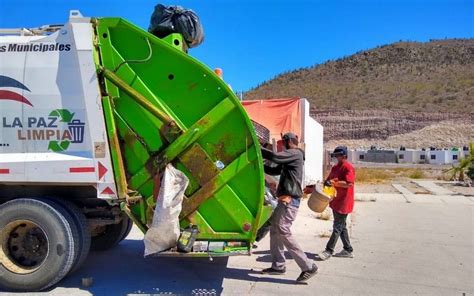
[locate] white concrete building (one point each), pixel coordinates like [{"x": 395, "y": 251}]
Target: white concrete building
[
  {"x": 414, "y": 156},
  {"x": 419, "y": 156},
  {"x": 455, "y": 155},
  {"x": 439, "y": 156},
  {"x": 406, "y": 156},
  {"x": 356, "y": 155}
]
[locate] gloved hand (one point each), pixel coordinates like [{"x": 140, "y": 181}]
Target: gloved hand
[
  {"x": 328, "y": 183},
  {"x": 266, "y": 154}
]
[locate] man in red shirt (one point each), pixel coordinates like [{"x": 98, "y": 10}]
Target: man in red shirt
[{"x": 342, "y": 177}]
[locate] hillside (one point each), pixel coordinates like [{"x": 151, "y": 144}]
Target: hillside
[
  {"x": 431, "y": 76},
  {"x": 388, "y": 90},
  {"x": 443, "y": 134}
]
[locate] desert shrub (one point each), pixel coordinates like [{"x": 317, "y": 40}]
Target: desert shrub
[
  {"x": 373, "y": 175},
  {"x": 416, "y": 174}
]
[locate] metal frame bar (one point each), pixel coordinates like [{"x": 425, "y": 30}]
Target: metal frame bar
[{"x": 138, "y": 97}]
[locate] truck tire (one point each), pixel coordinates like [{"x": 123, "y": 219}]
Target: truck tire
[
  {"x": 79, "y": 219},
  {"x": 36, "y": 245},
  {"x": 111, "y": 236},
  {"x": 127, "y": 231}
]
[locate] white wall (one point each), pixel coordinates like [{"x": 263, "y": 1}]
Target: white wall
[
  {"x": 354, "y": 155},
  {"x": 314, "y": 149},
  {"x": 357, "y": 155},
  {"x": 451, "y": 155},
  {"x": 350, "y": 155},
  {"x": 406, "y": 156},
  {"x": 414, "y": 156},
  {"x": 417, "y": 156},
  {"x": 441, "y": 157}
]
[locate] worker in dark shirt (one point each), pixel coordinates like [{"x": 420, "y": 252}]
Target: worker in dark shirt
[
  {"x": 342, "y": 177},
  {"x": 289, "y": 165}
]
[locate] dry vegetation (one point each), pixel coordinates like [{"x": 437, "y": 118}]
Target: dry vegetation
[
  {"x": 415, "y": 76},
  {"x": 385, "y": 175}
]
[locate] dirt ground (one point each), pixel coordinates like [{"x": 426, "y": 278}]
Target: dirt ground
[
  {"x": 457, "y": 188},
  {"x": 414, "y": 188},
  {"x": 375, "y": 188},
  {"x": 378, "y": 178},
  {"x": 380, "y": 173},
  {"x": 383, "y": 175},
  {"x": 386, "y": 187}
]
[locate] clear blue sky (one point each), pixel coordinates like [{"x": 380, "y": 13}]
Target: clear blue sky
[{"x": 255, "y": 40}]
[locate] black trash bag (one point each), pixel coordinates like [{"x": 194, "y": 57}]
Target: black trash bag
[{"x": 176, "y": 19}]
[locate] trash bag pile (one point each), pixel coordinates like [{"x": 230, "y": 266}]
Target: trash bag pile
[{"x": 166, "y": 20}]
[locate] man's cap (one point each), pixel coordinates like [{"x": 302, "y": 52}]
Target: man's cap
[
  {"x": 339, "y": 150},
  {"x": 289, "y": 136}
]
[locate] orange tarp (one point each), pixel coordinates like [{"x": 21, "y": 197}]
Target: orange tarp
[{"x": 278, "y": 115}]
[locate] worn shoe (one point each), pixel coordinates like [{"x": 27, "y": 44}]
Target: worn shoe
[
  {"x": 274, "y": 271},
  {"x": 306, "y": 275},
  {"x": 324, "y": 255},
  {"x": 344, "y": 254}
]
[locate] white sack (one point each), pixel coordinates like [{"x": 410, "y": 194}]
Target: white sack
[{"x": 164, "y": 231}]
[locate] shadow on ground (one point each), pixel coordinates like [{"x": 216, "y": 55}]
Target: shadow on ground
[
  {"x": 264, "y": 256},
  {"x": 123, "y": 270}
]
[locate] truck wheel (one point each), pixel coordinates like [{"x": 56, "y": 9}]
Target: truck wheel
[
  {"x": 79, "y": 219},
  {"x": 111, "y": 236},
  {"x": 36, "y": 245},
  {"x": 127, "y": 231}
]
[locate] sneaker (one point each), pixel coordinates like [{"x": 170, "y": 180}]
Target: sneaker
[
  {"x": 344, "y": 254},
  {"x": 274, "y": 271},
  {"x": 306, "y": 275},
  {"x": 324, "y": 255}
]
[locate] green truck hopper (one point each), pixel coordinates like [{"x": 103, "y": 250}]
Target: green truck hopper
[{"x": 163, "y": 106}]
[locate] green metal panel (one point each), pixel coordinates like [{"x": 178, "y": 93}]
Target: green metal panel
[{"x": 163, "y": 106}]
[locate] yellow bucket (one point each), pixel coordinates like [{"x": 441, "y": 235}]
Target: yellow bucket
[{"x": 320, "y": 198}]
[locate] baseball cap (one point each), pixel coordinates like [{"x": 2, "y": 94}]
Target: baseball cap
[{"x": 339, "y": 150}]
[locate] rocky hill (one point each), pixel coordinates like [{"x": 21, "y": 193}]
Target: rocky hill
[
  {"x": 389, "y": 90},
  {"x": 444, "y": 134},
  {"x": 380, "y": 124}
]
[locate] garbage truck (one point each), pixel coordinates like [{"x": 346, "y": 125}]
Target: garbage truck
[{"x": 91, "y": 114}]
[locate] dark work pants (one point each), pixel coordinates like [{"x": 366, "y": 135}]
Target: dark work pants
[{"x": 339, "y": 230}]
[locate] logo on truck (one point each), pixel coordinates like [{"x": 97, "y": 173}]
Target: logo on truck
[
  {"x": 74, "y": 134},
  {"x": 6, "y": 81},
  {"x": 60, "y": 128}
]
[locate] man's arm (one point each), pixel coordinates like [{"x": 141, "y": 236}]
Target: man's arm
[
  {"x": 283, "y": 157},
  {"x": 341, "y": 184},
  {"x": 349, "y": 179}
]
